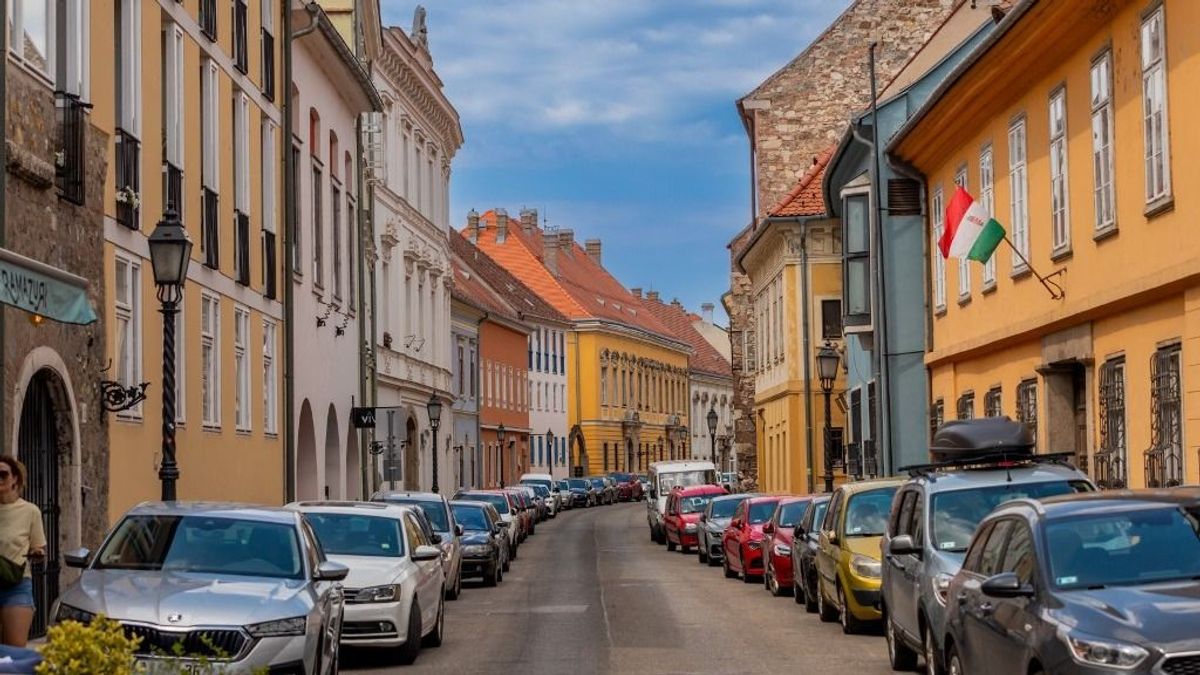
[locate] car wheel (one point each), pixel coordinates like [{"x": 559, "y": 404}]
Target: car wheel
[
  {"x": 670, "y": 544},
  {"x": 810, "y": 597},
  {"x": 412, "y": 639},
  {"x": 797, "y": 592},
  {"x": 513, "y": 552},
  {"x": 746, "y": 578},
  {"x": 827, "y": 613},
  {"x": 900, "y": 655},
  {"x": 506, "y": 565},
  {"x": 454, "y": 592},
  {"x": 434, "y": 639},
  {"x": 933, "y": 664},
  {"x": 729, "y": 573},
  {"x": 851, "y": 625},
  {"x": 702, "y": 551},
  {"x": 953, "y": 662},
  {"x": 685, "y": 549}
]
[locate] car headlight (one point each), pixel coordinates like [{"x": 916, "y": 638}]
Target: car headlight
[
  {"x": 690, "y": 528},
  {"x": 69, "y": 613},
  {"x": 1090, "y": 651},
  {"x": 865, "y": 567},
  {"x": 378, "y": 594},
  {"x": 941, "y": 587},
  {"x": 281, "y": 627},
  {"x": 478, "y": 550},
  {"x": 780, "y": 549}
]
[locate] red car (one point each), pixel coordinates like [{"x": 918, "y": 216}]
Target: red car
[
  {"x": 779, "y": 530},
  {"x": 629, "y": 488},
  {"x": 522, "y": 510},
  {"x": 743, "y": 540},
  {"x": 682, "y": 514}
]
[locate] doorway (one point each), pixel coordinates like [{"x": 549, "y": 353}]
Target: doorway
[{"x": 412, "y": 456}]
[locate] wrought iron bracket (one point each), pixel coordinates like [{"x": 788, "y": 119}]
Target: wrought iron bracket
[{"x": 114, "y": 397}]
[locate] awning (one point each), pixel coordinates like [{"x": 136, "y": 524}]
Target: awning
[{"x": 41, "y": 289}]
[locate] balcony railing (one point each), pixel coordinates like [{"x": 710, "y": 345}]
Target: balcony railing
[
  {"x": 173, "y": 187},
  {"x": 269, "y": 263},
  {"x": 211, "y": 235},
  {"x": 241, "y": 247},
  {"x": 1110, "y": 470},
  {"x": 70, "y": 163},
  {"x": 129, "y": 187}
]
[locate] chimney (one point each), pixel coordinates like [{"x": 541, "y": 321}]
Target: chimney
[
  {"x": 566, "y": 241},
  {"x": 501, "y": 225},
  {"x": 473, "y": 226},
  {"x": 592, "y": 246},
  {"x": 550, "y": 253},
  {"x": 706, "y": 312},
  {"x": 652, "y": 295},
  {"x": 637, "y": 292},
  {"x": 676, "y": 303},
  {"x": 528, "y": 221}
]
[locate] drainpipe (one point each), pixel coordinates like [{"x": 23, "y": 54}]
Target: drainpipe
[
  {"x": 807, "y": 350},
  {"x": 291, "y": 217},
  {"x": 3, "y": 204},
  {"x": 367, "y": 381}
]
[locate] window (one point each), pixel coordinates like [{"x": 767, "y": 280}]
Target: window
[
  {"x": 268, "y": 49},
  {"x": 1018, "y": 189},
  {"x": 992, "y": 406},
  {"x": 1027, "y": 406},
  {"x": 473, "y": 390},
  {"x": 1112, "y": 459},
  {"x": 1154, "y": 107},
  {"x": 992, "y": 557},
  {"x": 459, "y": 386},
  {"x": 1060, "y": 222},
  {"x": 937, "y": 209},
  {"x": 1019, "y": 556},
  {"x": 210, "y": 360},
  {"x": 297, "y": 232},
  {"x": 335, "y": 227},
  {"x": 269, "y": 215},
  {"x": 270, "y": 384},
  {"x": 241, "y": 188},
  {"x": 1104, "y": 194},
  {"x": 964, "y": 264},
  {"x": 966, "y": 406},
  {"x": 240, "y": 37},
  {"x": 52, "y": 38},
  {"x": 210, "y": 164},
  {"x": 1164, "y": 459},
  {"x": 128, "y": 300},
  {"x": 351, "y": 232},
  {"x": 318, "y": 236},
  {"x": 241, "y": 369},
  {"x": 988, "y": 200},
  {"x": 937, "y": 417},
  {"x": 208, "y": 19},
  {"x": 173, "y": 104},
  {"x": 128, "y": 79}
]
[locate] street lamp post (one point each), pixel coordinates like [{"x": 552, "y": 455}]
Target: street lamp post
[
  {"x": 712, "y": 432},
  {"x": 170, "y": 253},
  {"x": 500, "y": 437},
  {"x": 434, "y": 408},
  {"x": 550, "y": 449},
  {"x": 827, "y": 366}
]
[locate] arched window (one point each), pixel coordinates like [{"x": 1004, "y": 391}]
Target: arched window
[{"x": 314, "y": 132}]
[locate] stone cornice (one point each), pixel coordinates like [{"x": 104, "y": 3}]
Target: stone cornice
[{"x": 423, "y": 90}]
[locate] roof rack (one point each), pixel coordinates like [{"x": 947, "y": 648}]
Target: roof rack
[{"x": 997, "y": 460}]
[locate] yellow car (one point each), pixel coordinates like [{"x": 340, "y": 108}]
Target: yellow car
[{"x": 849, "y": 572}]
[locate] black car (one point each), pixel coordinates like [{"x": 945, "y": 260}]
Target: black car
[
  {"x": 806, "y": 538},
  {"x": 581, "y": 493},
  {"x": 1091, "y": 583},
  {"x": 604, "y": 492},
  {"x": 484, "y": 544}
]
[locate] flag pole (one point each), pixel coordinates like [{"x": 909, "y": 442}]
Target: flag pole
[{"x": 1056, "y": 291}]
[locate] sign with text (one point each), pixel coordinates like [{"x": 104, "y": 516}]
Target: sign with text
[{"x": 362, "y": 418}]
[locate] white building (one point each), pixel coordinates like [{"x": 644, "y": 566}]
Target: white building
[
  {"x": 330, "y": 91},
  {"x": 418, "y": 136}
]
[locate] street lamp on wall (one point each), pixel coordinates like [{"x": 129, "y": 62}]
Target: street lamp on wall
[
  {"x": 500, "y": 437},
  {"x": 434, "y": 408},
  {"x": 712, "y": 432},
  {"x": 170, "y": 253},
  {"x": 827, "y": 367}
]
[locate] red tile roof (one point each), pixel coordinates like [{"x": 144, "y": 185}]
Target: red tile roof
[
  {"x": 516, "y": 295},
  {"x": 705, "y": 358},
  {"x": 806, "y": 198}
]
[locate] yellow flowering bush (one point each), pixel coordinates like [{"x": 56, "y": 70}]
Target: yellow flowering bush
[{"x": 98, "y": 648}]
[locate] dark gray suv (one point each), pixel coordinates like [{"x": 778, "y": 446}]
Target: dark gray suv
[{"x": 980, "y": 464}]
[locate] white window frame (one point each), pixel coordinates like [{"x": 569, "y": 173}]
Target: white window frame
[
  {"x": 241, "y": 153},
  {"x": 987, "y": 197},
  {"x": 242, "y": 403},
  {"x": 173, "y": 131},
  {"x": 936, "y": 209},
  {"x": 210, "y": 341},
  {"x": 1060, "y": 197},
  {"x": 128, "y": 308},
  {"x": 1018, "y": 192},
  {"x": 1155, "y": 125},
  {"x": 130, "y": 105},
  {"x": 964, "y": 263},
  {"x": 1103, "y": 190},
  {"x": 210, "y": 165},
  {"x": 270, "y": 378}
]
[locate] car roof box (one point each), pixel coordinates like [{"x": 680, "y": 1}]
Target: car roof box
[{"x": 961, "y": 440}]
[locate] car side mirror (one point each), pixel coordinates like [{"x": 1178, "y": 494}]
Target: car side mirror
[
  {"x": 423, "y": 553},
  {"x": 330, "y": 571},
  {"x": 497, "y": 530},
  {"x": 78, "y": 558},
  {"x": 1006, "y": 585},
  {"x": 903, "y": 544},
  {"x": 798, "y": 532},
  {"x": 703, "y": 518},
  {"x": 458, "y": 529},
  {"x": 833, "y": 539},
  {"x": 769, "y": 528},
  {"x": 503, "y": 523},
  {"x": 437, "y": 538}
]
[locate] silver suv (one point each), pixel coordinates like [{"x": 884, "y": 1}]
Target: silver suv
[
  {"x": 436, "y": 509},
  {"x": 979, "y": 464}
]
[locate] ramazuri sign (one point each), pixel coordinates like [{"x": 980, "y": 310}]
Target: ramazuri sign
[{"x": 41, "y": 289}]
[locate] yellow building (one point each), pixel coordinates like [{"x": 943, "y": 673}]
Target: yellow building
[
  {"x": 194, "y": 112},
  {"x": 627, "y": 374},
  {"x": 794, "y": 264},
  {"x": 1060, "y": 124}
]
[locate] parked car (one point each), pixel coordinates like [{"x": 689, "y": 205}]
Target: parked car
[
  {"x": 526, "y": 511},
  {"x": 682, "y": 519},
  {"x": 554, "y": 502},
  {"x": 644, "y": 481},
  {"x": 548, "y": 498},
  {"x": 629, "y": 488},
  {"x": 663, "y": 477},
  {"x": 604, "y": 492},
  {"x": 979, "y": 464},
  {"x": 713, "y": 521},
  {"x": 502, "y": 502},
  {"x": 245, "y": 586},
  {"x": 436, "y": 509},
  {"x": 484, "y": 542},
  {"x": 729, "y": 480},
  {"x": 779, "y": 530},
  {"x": 396, "y": 589},
  {"x": 1097, "y": 583},
  {"x": 805, "y": 540},
  {"x": 848, "y": 558},
  {"x": 582, "y": 492},
  {"x": 534, "y": 500},
  {"x": 565, "y": 501},
  {"x": 742, "y": 543}
]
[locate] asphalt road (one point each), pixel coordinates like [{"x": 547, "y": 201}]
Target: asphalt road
[{"x": 590, "y": 593}]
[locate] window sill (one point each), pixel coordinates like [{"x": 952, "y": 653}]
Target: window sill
[
  {"x": 130, "y": 417},
  {"x": 1021, "y": 272},
  {"x": 1159, "y": 206},
  {"x": 1107, "y": 232},
  {"x": 214, "y": 428},
  {"x": 1061, "y": 254},
  {"x": 964, "y": 300},
  {"x": 988, "y": 287},
  {"x": 243, "y": 432},
  {"x": 939, "y": 310}
]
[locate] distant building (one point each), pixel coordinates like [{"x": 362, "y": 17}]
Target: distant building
[{"x": 717, "y": 336}]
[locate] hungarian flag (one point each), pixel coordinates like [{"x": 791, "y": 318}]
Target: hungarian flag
[{"x": 971, "y": 232}]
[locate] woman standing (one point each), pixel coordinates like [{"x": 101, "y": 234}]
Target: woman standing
[{"x": 21, "y": 538}]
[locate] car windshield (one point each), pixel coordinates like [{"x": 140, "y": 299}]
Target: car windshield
[
  {"x": 819, "y": 512},
  {"x": 761, "y": 512},
  {"x": 621, "y": 477},
  {"x": 957, "y": 513},
  {"x": 204, "y": 544},
  {"x": 541, "y": 490},
  {"x": 694, "y": 504},
  {"x": 666, "y": 481},
  {"x": 598, "y": 482},
  {"x": 439, "y": 520},
  {"x": 564, "y": 485},
  {"x": 472, "y": 518},
  {"x": 790, "y": 514},
  {"x": 867, "y": 512},
  {"x": 537, "y": 482},
  {"x": 1141, "y": 546},
  {"x": 724, "y": 508},
  {"x": 579, "y": 483},
  {"x": 498, "y": 501},
  {"x": 357, "y": 534}
]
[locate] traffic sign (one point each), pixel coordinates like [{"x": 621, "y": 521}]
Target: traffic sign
[{"x": 362, "y": 418}]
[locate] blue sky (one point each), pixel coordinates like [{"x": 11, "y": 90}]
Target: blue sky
[{"x": 615, "y": 118}]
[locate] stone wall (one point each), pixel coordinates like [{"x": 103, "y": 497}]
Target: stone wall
[
  {"x": 41, "y": 226},
  {"x": 798, "y": 112}
]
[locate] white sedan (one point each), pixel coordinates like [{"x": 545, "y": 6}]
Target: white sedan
[{"x": 395, "y": 591}]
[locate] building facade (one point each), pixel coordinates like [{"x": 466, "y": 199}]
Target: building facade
[
  {"x": 466, "y": 455},
  {"x": 1095, "y": 359},
  {"x": 418, "y": 136}
]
